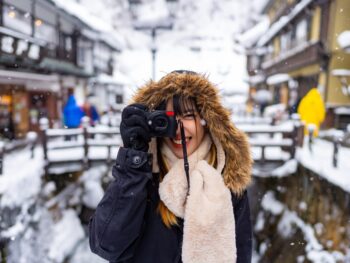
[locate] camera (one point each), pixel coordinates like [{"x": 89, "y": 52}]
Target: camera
[{"x": 162, "y": 123}]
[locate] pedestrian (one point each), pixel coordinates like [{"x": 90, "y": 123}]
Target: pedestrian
[
  {"x": 91, "y": 111},
  {"x": 154, "y": 211},
  {"x": 72, "y": 113}
]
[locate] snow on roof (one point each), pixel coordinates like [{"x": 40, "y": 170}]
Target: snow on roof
[
  {"x": 282, "y": 22},
  {"x": 251, "y": 36},
  {"x": 81, "y": 12},
  {"x": 256, "y": 79},
  {"x": 342, "y": 111},
  {"x": 277, "y": 79},
  {"x": 341, "y": 72},
  {"x": 344, "y": 40}
]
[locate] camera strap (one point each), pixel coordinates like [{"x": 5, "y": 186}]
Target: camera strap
[{"x": 184, "y": 149}]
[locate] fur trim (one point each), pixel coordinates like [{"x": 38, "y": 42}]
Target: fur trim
[{"x": 237, "y": 171}]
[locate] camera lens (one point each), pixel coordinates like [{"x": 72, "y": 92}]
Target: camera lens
[{"x": 161, "y": 122}]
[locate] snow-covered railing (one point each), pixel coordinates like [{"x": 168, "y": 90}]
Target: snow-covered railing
[
  {"x": 285, "y": 136},
  {"x": 77, "y": 147}
]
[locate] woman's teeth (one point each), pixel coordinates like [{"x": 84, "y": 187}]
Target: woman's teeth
[{"x": 179, "y": 141}]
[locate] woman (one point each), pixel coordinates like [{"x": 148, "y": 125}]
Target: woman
[{"x": 151, "y": 213}]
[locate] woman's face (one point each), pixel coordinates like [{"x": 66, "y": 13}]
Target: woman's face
[{"x": 194, "y": 132}]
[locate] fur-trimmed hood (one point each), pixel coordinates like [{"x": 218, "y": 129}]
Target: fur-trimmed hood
[{"x": 237, "y": 171}]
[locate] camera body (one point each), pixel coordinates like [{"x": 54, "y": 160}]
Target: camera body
[{"x": 162, "y": 123}]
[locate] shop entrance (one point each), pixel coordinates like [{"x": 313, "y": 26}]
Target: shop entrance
[{"x": 7, "y": 129}]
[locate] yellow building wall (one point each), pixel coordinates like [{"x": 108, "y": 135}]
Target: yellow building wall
[
  {"x": 339, "y": 22},
  {"x": 276, "y": 47},
  {"x": 305, "y": 71},
  {"x": 316, "y": 24}
]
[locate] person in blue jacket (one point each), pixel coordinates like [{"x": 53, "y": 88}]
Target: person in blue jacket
[
  {"x": 152, "y": 212},
  {"x": 72, "y": 113}
]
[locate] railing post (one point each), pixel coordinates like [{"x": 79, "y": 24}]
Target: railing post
[
  {"x": 311, "y": 129},
  {"x": 263, "y": 154},
  {"x": 85, "y": 122},
  {"x": 32, "y": 137},
  {"x": 2, "y": 150},
  {"x": 336, "y": 144},
  {"x": 44, "y": 125},
  {"x": 295, "y": 133}
]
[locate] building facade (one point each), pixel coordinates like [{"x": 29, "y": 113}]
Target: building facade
[
  {"x": 46, "y": 53},
  {"x": 299, "y": 51}
]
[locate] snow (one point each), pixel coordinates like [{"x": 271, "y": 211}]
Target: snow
[
  {"x": 341, "y": 72},
  {"x": 93, "y": 191},
  {"x": 118, "y": 79},
  {"x": 20, "y": 183},
  {"x": 342, "y": 111},
  {"x": 83, "y": 254},
  {"x": 66, "y": 235},
  {"x": 277, "y": 79},
  {"x": 319, "y": 160},
  {"x": 269, "y": 203},
  {"x": 254, "y": 128},
  {"x": 262, "y": 96},
  {"x": 344, "y": 40},
  {"x": 82, "y": 13},
  {"x": 64, "y": 132},
  {"x": 282, "y": 22},
  {"x": 256, "y": 79},
  {"x": 286, "y": 227},
  {"x": 251, "y": 36}
]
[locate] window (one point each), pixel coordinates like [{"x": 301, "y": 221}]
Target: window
[
  {"x": 16, "y": 19},
  {"x": 301, "y": 32},
  {"x": 45, "y": 31},
  {"x": 119, "y": 99},
  {"x": 286, "y": 41}
]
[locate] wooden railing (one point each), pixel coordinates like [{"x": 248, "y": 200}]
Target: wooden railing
[
  {"x": 86, "y": 138},
  {"x": 292, "y": 135}
]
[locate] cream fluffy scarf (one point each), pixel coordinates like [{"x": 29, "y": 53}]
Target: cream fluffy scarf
[{"x": 209, "y": 224}]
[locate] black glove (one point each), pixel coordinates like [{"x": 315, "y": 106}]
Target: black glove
[{"x": 134, "y": 128}]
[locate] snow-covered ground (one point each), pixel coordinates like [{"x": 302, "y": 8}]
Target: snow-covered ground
[{"x": 315, "y": 252}]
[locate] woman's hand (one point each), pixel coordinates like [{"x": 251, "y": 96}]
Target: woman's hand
[{"x": 134, "y": 128}]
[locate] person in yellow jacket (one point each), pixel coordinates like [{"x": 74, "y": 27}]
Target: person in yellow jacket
[{"x": 312, "y": 110}]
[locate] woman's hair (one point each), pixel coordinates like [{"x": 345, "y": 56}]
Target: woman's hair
[{"x": 182, "y": 105}]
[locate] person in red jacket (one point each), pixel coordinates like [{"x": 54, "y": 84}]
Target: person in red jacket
[{"x": 154, "y": 211}]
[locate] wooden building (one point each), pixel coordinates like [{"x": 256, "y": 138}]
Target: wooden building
[
  {"x": 46, "y": 53},
  {"x": 300, "y": 52}
]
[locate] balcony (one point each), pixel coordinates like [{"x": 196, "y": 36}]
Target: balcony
[{"x": 302, "y": 55}]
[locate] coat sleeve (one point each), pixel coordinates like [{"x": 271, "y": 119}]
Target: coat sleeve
[
  {"x": 243, "y": 228},
  {"x": 119, "y": 217}
]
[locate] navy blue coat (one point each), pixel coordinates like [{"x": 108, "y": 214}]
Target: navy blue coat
[{"x": 126, "y": 226}]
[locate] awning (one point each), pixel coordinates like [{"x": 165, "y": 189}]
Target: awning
[
  {"x": 32, "y": 81},
  {"x": 62, "y": 67},
  {"x": 344, "y": 41},
  {"x": 278, "y": 79}
]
